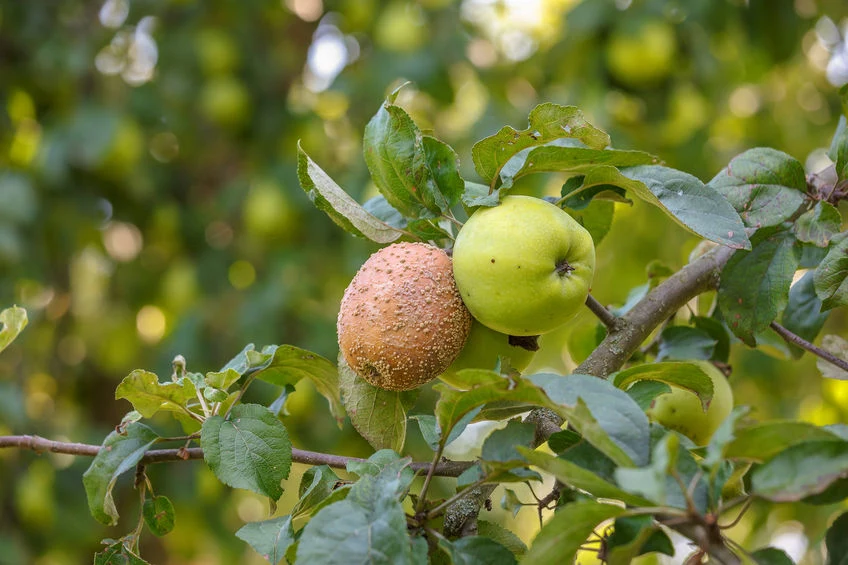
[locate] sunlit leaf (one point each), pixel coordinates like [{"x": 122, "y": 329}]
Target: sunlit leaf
[
  {"x": 819, "y": 225},
  {"x": 288, "y": 364},
  {"x": 336, "y": 203},
  {"x": 689, "y": 376},
  {"x": 762, "y": 441},
  {"x": 547, "y": 122},
  {"x": 148, "y": 395},
  {"x": 13, "y": 321}
]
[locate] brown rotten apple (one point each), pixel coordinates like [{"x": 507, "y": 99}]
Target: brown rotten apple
[{"x": 402, "y": 321}]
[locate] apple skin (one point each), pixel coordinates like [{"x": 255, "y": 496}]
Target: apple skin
[
  {"x": 523, "y": 267},
  {"x": 481, "y": 351},
  {"x": 680, "y": 410}
]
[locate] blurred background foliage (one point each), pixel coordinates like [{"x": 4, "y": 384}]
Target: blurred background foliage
[{"x": 149, "y": 204}]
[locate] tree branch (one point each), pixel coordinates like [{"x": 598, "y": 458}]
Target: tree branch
[
  {"x": 606, "y": 317},
  {"x": 42, "y": 445},
  {"x": 661, "y": 303},
  {"x": 794, "y": 339}
]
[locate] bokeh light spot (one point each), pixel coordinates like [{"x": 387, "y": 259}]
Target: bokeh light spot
[
  {"x": 241, "y": 274},
  {"x": 150, "y": 323},
  {"x": 123, "y": 241}
]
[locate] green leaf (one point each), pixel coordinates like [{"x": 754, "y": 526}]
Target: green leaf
[
  {"x": 717, "y": 331},
  {"x": 838, "y": 151},
  {"x": 604, "y": 415},
  {"x": 644, "y": 392},
  {"x": 249, "y": 450},
  {"x": 338, "y": 205},
  {"x": 368, "y": 526},
  {"x": 148, "y": 395},
  {"x": 836, "y": 541},
  {"x": 385, "y": 463},
  {"x": 577, "y": 477},
  {"x": 596, "y": 218},
  {"x": 394, "y": 153},
  {"x": 222, "y": 380},
  {"x": 684, "y": 342},
  {"x": 755, "y": 284},
  {"x": 503, "y": 536},
  {"x": 801, "y": 470},
  {"x": 13, "y": 320},
  {"x": 484, "y": 387},
  {"x": 119, "y": 454},
  {"x": 763, "y": 441},
  {"x": 288, "y": 364},
  {"x": 560, "y": 538},
  {"x": 562, "y": 440},
  {"x": 559, "y": 157},
  {"x": 380, "y": 208},
  {"x": 724, "y": 435},
  {"x": 692, "y": 204},
  {"x": 239, "y": 363},
  {"x": 836, "y": 492},
  {"x": 269, "y": 538},
  {"x": 476, "y": 550},
  {"x": 655, "y": 481},
  {"x": 633, "y": 536},
  {"x": 501, "y": 444},
  {"x": 838, "y": 347},
  {"x": 443, "y": 172},
  {"x": 429, "y": 429},
  {"x": 547, "y": 122},
  {"x": 316, "y": 485},
  {"x": 118, "y": 554},
  {"x": 477, "y": 194},
  {"x": 819, "y": 225},
  {"x": 771, "y": 556},
  {"x": 158, "y": 513},
  {"x": 764, "y": 185},
  {"x": 803, "y": 315},
  {"x": 685, "y": 199},
  {"x": 689, "y": 376},
  {"x": 830, "y": 278},
  {"x": 379, "y": 415}
]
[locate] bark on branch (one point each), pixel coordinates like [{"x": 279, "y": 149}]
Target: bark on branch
[{"x": 42, "y": 445}]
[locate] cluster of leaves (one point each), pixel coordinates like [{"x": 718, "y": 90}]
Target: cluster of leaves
[{"x": 761, "y": 205}]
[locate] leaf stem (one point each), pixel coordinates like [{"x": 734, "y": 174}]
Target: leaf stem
[
  {"x": 251, "y": 376},
  {"x": 794, "y": 339}
]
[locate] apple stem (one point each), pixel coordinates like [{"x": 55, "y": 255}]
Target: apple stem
[{"x": 610, "y": 320}]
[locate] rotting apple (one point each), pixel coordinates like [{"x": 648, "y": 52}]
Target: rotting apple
[
  {"x": 680, "y": 410},
  {"x": 523, "y": 267},
  {"x": 401, "y": 321},
  {"x": 483, "y": 348}
]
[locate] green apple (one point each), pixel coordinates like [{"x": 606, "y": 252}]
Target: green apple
[
  {"x": 642, "y": 56},
  {"x": 481, "y": 351},
  {"x": 523, "y": 267},
  {"x": 680, "y": 410}
]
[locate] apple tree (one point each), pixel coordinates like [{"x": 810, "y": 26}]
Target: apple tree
[{"x": 642, "y": 435}]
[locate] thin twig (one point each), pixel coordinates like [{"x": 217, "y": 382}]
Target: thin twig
[
  {"x": 422, "y": 496},
  {"x": 739, "y": 517},
  {"x": 606, "y": 317},
  {"x": 790, "y": 337},
  {"x": 42, "y": 445},
  {"x": 461, "y": 494}
]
